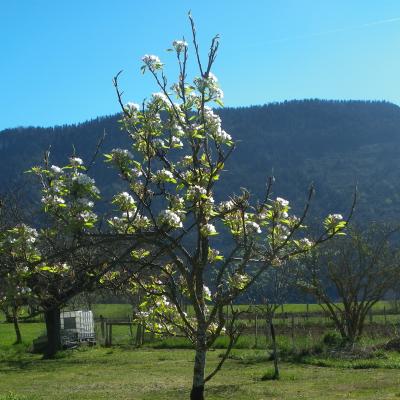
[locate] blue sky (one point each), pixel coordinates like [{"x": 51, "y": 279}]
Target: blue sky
[{"x": 58, "y": 56}]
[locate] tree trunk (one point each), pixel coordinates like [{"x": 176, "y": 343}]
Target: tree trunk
[
  {"x": 274, "y": 350},
  {"x": 16, "y": 326},
  {"x": 53, "y": 327},
  {"x": 197, "y": 392}
]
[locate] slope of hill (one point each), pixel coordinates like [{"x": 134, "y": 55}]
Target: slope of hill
[{"x": 332, "y": 144}]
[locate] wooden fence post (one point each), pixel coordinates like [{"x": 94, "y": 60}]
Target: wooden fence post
[
  {"x": 138, "y": 334},
  {"x": 143, "y": 331},
  {"x": 293, "y": 333},
  {"x": 256, "y": 330},
  {"x": 102, "y": 322}
]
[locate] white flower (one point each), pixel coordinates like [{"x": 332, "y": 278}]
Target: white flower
[
  {"x": 87, "y": 216},
  {"x": 212, "y": 78},
  {"x": 226, "y": 206},
  {"x": 219, "y": 93},
  {"x": 75, "y": 161},
  {"x": 282, "y": 202},
  {"x": 176, "y": 142},
  {"x": 141, "y": 221},
  {"x": 207, "y": 292},
  {"x": 252, "y": 227},
  {"x": 170, "y": 218},
  {"x": 336, "y": 217},
  {"x": 164, "y": 175},
  {"x": 306, "y": 242},
  {"x": 56, "y": 170},
  {"x": 152, "y": 61},
  {"x": 179, "y": 45},
  {"x": 52, "y": 200},
  {"x": 132, "y": 108},
  {"x": 86, "y": 202},
  {"x": 161, "y": 97},
  {"x": 177, "y": 130},
  {"x": 208, "y": 229},
  {"x": 124, "y": 200},
  {"x": 121, "y": 154},
  {"x": 83, "y": 179},
  {"x": 196, "y": 191},
  {"x": 212, "y": 254},
  {"x": 239, "y": 280},
  {"x": 149, "y": 58},
  {"x": 222, "y": 136},
  {"x": 158, "y": 143}
]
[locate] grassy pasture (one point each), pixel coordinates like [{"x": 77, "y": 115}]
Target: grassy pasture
[
  {"x": 160, "y": 372},
  {"x": 148, "y": 374}
]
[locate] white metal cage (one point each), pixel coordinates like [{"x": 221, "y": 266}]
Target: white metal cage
[{"x": 76, "y": 327}]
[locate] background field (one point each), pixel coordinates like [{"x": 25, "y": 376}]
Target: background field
[
  {"x": 148, "y": 374},
  {"x": 162, "y": 368}
]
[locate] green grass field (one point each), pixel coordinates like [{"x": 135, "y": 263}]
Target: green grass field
[
  {"x": 148, "y": 374},
  {"x": 164, "y": 372}
]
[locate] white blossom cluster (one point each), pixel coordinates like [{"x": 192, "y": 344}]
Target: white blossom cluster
[
  {"x": 86, "y": 216},
  {"x": 208, "y": 230},
  {"x": 213, "y": 255},
  {"x": 252, "y": 227},
  {"x": 124, "y": 201},
  {"x": 207, "y": 292},
  {"x": 226, "y": 206},
  {"x": 75, "y": 161},
  {"x": 176, "y": 142},
  {"x": 209, "y": 84},
  {"x": 83, "y": 179},
  {"x": 163, "y": 175},
  {"x": 239, "y": 280},
  {"x": 56, "y": 170},
  {"x": 52, "y": 200},
  {"x": 195, "y": 192},
  {"x": 129, "y": 221},
  {"x": 160, "y": 97},
  {"x": 281, "y": 232},
  {"x": 305, "y": 242},
  {"x": 178, "y": 130},
  {"x": 280, "y": 207},
  {"x": 152, "y": 62},
  {"x": 170, "y": 218},
  {"x": 179, "y": 45},
  {"x": 132, "y": 108},
  {"x": 121, "y": 154},
  {"x": 30, "y": 234},
  {"x": 213, "y": 123},
  {"x": 84, "y": 202},
  {"x": 336, "y": 217},
  {"x": 22, "y": 291}
]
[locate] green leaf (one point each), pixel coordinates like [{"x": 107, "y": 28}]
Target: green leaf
[{"x": 219, "y": 102}]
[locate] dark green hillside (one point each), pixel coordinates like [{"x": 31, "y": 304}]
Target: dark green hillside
[{"x": 333, "y": 144}]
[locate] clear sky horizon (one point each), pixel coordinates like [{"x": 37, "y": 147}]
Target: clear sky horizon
[{"x": 58, "y": 57}]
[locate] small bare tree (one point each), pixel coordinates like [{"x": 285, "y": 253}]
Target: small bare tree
[
  {"x": 269, "y": 292},
  {"x": 350, "y": 274}
]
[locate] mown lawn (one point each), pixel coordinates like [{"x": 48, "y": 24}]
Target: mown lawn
[{"x": 165, "y": 374}]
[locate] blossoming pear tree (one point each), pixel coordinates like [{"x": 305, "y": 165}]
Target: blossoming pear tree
[
  {"x": 64, "y": 257},
  {"x": 179, "y": 149}
]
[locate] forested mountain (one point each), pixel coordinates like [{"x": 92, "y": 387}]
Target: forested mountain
[{"x": 330, "y": 143}]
